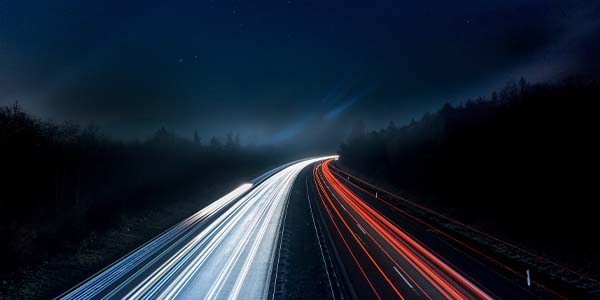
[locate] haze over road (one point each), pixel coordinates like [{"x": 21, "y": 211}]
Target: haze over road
[{"x": 224, "y": 251}]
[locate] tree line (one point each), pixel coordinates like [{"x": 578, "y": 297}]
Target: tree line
[
  {"x": 518, "y": 162},
  {"x": 61, "y": 181}
]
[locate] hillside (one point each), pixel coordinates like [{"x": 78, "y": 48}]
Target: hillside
[
  {"x": 518, "y": 163},
  {"x": 63, "y": 182}
]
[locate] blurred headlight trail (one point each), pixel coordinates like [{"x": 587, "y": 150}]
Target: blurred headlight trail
[{"x": 224, "y": 251}]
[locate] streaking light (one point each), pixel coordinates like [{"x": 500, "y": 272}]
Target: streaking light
[{"x": 223, "y": 251}]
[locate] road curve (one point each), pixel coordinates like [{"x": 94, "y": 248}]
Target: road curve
[
  {"x": 399, "y": 259},
  {"x": 224, "y": 251}
]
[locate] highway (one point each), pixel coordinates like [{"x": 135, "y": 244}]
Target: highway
[
  {"x": 224, "y": 251},
  {"x": 229, "y": 249},
  {"x": 397, "y": 258}
]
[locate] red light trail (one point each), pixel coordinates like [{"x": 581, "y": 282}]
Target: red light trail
[
  {"x": 346, "y": 176},
  {"x": 415, "y": 264}
]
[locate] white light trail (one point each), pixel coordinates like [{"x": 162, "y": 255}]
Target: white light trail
[{"x": 223, "y": 251}]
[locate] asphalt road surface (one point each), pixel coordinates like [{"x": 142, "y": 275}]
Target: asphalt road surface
[{"x": 398, "y": 258}]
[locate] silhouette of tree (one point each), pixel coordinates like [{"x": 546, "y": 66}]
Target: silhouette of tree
[
  {"x": 197, "y": 139},
  {"x": 61, "y": 173},
  {"x": 214, "y": 142},
  {"x": 229, "y": 142},
  {"x": 484, "y": 159},
  {"x": 359, "y": 129},
  {"x": 391, "y": 126},
  {"x": 162, "y": 137},
  {"x": 236, "y": 140}
]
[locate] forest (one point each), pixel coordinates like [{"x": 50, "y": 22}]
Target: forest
[
  {"x": 519, "y": 163},
  {"x": 62, "y": 181}
]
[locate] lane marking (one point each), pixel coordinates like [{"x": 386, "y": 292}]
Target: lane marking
[
  {"x": 403, "y": 278},
  {"x": 361, "y": 241},
  {"x": 279, "y": 251},
  {"x": 361, "y": 229},
  {"x": 344, "y": 208},
  {"x": 318, "y": 240}
]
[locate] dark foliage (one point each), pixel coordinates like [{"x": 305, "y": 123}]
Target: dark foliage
[
  {"x": 62, "y": 181},
  {"x": 520, "y": 164}
]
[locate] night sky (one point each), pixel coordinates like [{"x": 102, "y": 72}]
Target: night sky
[{"x": 272, "y": 70}]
